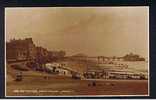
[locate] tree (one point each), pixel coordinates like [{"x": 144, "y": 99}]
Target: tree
[{"x": 62, "y": 53}]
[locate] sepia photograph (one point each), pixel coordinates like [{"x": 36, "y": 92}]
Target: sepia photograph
[{"x": 77, "y": 51}]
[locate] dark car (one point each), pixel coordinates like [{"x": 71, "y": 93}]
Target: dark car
[{"x": 19, "y": 76}]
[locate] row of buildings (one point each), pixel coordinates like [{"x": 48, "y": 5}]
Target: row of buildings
[
  {"x": 20, "y": 49},
  {"x": 25, "y": 49}
]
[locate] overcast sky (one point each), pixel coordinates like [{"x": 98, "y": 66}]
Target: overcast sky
[{"x": 107, "y": 31}]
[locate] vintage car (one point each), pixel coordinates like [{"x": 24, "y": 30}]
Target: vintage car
[{"x": 19, "y": 76}]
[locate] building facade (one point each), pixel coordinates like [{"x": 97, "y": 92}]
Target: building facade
[{"x": 20, "y": 50}]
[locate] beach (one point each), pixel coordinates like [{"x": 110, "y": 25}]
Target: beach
[{"x": 37, "y": 85}]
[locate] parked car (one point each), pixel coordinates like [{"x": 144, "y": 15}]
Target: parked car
[
  {"x": 76, "y": 76},
  {"x": 19, "y": 76}
]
